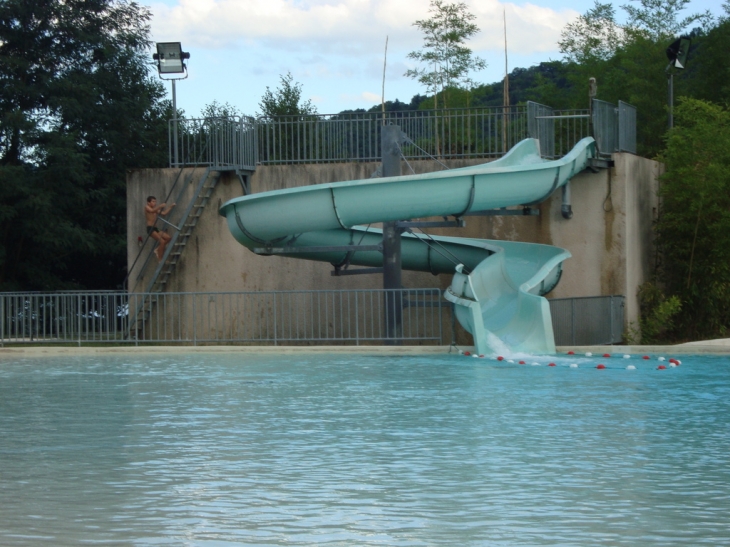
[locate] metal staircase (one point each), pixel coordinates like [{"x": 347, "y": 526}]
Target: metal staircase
[{"x": 174, "y": 251}]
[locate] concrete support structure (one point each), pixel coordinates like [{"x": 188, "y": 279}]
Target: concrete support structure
[{"x": 610, "y": 233}]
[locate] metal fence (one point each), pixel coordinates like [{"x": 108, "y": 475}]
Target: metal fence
[
  {"x": 455, "y": 133},
  {"x": 351, "y": 317},
  {"x": 446, "y": 134},
  {"x": 277, "y": 317},
  {"x": 588, "y": 321},
  {"x": 557, "y": 130},
  {"x": 219, "y": 143}
]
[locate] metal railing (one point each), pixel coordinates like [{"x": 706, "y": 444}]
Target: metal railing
[
  {"x": 446, "y": 134},
  {"x": 264, "y": 318},
  {"x": 588, "y": 321},
  {"x": 351, "y": 317},
  {"x": 626, "y": 128},
  {"x": 218, "y": 143},
  {"x": 455, "y": 133},
  {"x": 557, "y": 130}
]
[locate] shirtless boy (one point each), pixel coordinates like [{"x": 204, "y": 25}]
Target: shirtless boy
[{"x": 151, "y": 211}]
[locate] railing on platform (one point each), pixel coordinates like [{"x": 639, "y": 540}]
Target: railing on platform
[
  {"x": 351, "y": 317},
  {"x": 218, "y": 143},
  {"x": 454, "y": 133},
  {"x": 355, "y": 137}
]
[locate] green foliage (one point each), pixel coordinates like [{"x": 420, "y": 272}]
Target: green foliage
[
  {"x": 629, "y": 61},
  {"x": 592, "y": 37},
  {"x": 658, "y": 315},
  {"x": 658, "y": 19},
  {"x": 694, "y": 224},
  {"x": 286, "y": 100},
  {"x": 708, "y": 72},
  {"x": 446, "y": 60},
  {"x": 77, "y": 109},
  {"x": 218, "y": 110}
]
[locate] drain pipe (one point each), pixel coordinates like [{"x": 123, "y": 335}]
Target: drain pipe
[{"x": 566, "y": 209}]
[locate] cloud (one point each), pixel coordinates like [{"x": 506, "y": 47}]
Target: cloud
[
  {"x": 347, "y": 28},
  {"x": 371, "y": 97}
]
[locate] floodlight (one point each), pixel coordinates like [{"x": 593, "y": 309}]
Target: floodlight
[
  {"x": 170, "y": 58},
  {"x": 677, "y": 52}
]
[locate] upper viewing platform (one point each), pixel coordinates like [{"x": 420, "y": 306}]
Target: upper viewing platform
[{"x": 242, "y": 143}]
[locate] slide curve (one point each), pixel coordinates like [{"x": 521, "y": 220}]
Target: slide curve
[{"x": 498, "y": 286}]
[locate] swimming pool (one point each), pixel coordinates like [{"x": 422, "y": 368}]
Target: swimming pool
[{"x": 345, "y": 449}]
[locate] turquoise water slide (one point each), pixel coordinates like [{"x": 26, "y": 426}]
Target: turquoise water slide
[{"x": 498, "y": 286}]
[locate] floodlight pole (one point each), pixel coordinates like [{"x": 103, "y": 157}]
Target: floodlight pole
[
  {"x": 677, "y": 53},
  {"x": 172, "y": 53},
  {"x": 670, "y": 97},
  {"x": 174, "y": 123}
]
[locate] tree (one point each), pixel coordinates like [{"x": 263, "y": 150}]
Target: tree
[
  {"x": 658, "y": 18},
  {"x": 629, "y": 61},
  {"x": 694, "y": 224},
  {"x": 77, "y": 109},
  {"x": 286, "y": 100},
  {"x": 218, "y": 110},
  {"x": 283, "y": 136},
  {"x": 593, "y": 36},
  {"x": 447, "y": 60}
]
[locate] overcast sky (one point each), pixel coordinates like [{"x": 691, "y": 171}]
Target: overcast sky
[{"x": 335, "y": 48}]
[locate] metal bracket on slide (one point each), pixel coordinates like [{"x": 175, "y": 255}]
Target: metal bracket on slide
[
  {"x": 525, "y": 211},
  {"x": 596, "y": 164},
  {"x": 457, "y": 223},
  {"x": 313, "y": 249},
  {"x": 338, "y": 271}
]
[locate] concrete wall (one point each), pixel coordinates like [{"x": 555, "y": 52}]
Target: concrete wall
[{"x": 609, "y": 235}]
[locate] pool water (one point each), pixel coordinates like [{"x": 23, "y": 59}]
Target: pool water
[{"x": 310, "y": 449}]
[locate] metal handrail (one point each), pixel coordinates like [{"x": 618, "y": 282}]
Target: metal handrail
[{"x": 241, "y": 143}]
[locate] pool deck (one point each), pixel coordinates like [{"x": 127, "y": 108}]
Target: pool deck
[{"x": 717, "y": 347}]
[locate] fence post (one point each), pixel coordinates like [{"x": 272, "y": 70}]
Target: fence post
[
  {"x": 195, "y": 321},
  {"x": 357, "y": 321},
  {"x": 572, "y": 322},
  {"x": 276, "y": 326},
  {"x": 78, "y": 314}
]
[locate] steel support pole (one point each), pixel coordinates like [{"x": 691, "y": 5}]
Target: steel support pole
[
  {"x": 174, "y": 123},
  {"x": 390, "y": 137},
  {"x": 670, "y": 99}
]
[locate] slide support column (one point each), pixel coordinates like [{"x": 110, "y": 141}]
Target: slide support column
[{"x": 390, "y": 138}]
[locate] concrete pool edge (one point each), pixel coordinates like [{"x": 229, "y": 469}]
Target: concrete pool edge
[{"x": 710, "y": 347}]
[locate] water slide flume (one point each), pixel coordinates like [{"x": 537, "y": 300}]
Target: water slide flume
[{"x": 497, "y": 286}]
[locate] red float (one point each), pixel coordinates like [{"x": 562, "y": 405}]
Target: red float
[
  {"x": 661, "y": 367},
  {"x": 607, "y": 355},
  {"x": 552, "y": 365},
  {"x": 500, "y": 358},
  {"x": 467, "y": 353},
  {"x": 646, "y": 357},
  {"x": 601, "y": 366},
  {"x": 571, "y": 353},
  {"x": 522, "y": 362}
]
